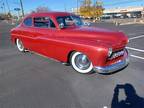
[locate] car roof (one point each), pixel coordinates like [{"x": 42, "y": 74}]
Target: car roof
[{"x": 55, "y": 14}]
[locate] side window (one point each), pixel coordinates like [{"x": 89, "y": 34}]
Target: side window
[
  {"x": 28, "y": 22},
  {"x": 43, "y": 22},
  {"x": 66, "y": 20}
]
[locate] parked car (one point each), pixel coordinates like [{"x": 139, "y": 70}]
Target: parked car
[{"x": 63, "y": 36}]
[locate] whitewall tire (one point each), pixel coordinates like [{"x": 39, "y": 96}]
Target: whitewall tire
[
  {"x": 20, "y": 45},
  {"x": 81, "y": 63}
]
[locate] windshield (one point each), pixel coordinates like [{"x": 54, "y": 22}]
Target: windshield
[{"x": 70, "y": 21}]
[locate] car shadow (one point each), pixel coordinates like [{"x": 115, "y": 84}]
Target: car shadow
[{"x": 132, "y": 100}]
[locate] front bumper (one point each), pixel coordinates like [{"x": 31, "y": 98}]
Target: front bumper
[{"x": 114, "y": 67}]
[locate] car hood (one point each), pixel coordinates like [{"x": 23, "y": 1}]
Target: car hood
[{"x": 91, "y": 35}]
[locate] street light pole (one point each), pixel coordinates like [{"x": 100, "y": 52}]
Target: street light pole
[
  {"x": 8, "y": 6},
  {"x": 65, "y": 8},
  {"x": 77, "y": 7},
  {"x": 22, "y": 8},
  {"x": 4, "y": 8}
]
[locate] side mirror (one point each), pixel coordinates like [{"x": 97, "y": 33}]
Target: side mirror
[{"x": 61, "y": 25}]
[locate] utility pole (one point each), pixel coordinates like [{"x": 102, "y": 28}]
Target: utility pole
[
  {"x": 22, "y": 8},
  {"x": 77, "y": 7},
  {"x": 4, "y": 8},
  {"x": 8, "y": 6},
  {"x": 65, "y": 8}
]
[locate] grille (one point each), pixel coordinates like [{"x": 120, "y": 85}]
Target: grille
[{"x": 117, "y": 54}]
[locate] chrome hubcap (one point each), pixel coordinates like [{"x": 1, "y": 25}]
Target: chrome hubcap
[
  {"x": 82, "y": 62},
  {"x": 20, "y": 45}
]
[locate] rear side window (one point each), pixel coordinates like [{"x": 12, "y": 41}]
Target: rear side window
[
  {"x": 28, "y": 22},
  {"x": 43, "y": 22}
]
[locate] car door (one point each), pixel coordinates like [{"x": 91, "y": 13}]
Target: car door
[
  {"x": 26, "y": 33},
  {"x": 44, "y": 36}
]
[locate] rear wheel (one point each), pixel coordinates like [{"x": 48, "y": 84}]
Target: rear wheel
[
  {"x": 81, "y": 63},
  {"x": 20, "y": 45}
]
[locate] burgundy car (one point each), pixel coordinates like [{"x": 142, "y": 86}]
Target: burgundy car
[{"x": 64, "y": 37}]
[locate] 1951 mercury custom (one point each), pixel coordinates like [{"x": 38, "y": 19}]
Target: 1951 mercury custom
[{"x": 63, "y": 36}]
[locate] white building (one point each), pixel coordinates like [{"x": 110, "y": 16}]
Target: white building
[
  {"x": 124, "y": 11},
  {"x": 120, "y": 12}
]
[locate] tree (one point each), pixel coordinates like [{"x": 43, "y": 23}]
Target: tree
[
  {"x": 40, "y": 9},
  {"x": 85, "y": 9},
  {"x": 87, "y": 3},
  {"x": 6, "y": 16},
  {"x": 89, "y": 10},
  {"x": 9, "y": 15},
  {"x": 97, "y": 10}
]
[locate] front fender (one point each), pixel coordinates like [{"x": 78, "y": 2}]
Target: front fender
[{"x": 96, "y": 53}]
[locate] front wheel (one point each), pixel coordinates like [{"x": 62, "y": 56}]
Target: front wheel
[
  {"x": 20, "y": 45},
  {"x": 81, "y": 63}
]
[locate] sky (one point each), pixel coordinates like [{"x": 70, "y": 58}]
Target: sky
[{"x": 62, "y": 5}]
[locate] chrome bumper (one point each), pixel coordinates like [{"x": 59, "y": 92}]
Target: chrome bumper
[{"x": 112, "y": 68}]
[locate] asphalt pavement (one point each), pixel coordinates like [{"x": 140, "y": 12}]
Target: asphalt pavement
[{"x": 28, "y": 80}]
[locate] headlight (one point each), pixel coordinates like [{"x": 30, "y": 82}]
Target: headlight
[
  {"x": 110, "y": 52},
  {"x": 128, "y": 41}
]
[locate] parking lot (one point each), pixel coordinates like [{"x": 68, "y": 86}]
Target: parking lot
[{"x": 28, "y": 80}]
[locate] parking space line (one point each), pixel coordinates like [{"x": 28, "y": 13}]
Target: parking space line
[
  {"x": 135, "y": 49},
  {"x": 137, "y": 57},
  {"x": 136, "y": 37}
]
